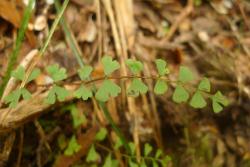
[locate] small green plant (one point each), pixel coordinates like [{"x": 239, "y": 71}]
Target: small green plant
[
  {"x": 108, "y": 88},
  {"x": 150, "y": 156},
  {"x": 184, "y": 92},
  {"x": 19, "y": 74},
  {"x": 56, "y": 92},
  {"x": 73, "y": 147}
]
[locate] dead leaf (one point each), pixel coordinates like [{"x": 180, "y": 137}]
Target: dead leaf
[
  {"x": 89, "y": 33},
  {"x": 85, "y": 140},
  {"x": 9, "y": 12}
]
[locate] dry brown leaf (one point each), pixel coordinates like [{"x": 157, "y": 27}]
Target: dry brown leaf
[
  {"x": 89, "y": 33},
  {"x": 9, "y": 12},
  {"x": 85, "y": 140}
]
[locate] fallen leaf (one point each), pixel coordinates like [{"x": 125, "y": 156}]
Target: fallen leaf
[
  {"x": 9, "y": 12},
  {"x": 85, "y": 140}
]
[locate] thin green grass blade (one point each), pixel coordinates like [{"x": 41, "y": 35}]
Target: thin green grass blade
[
  {"x": 69, "y": 37},
  {"x": 53, "y": 28},
  {"x": 18, "y": 44},
  {"x": 48, "y": 39}
]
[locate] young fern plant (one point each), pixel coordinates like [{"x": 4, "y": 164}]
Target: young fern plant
[
  {"x": 150, "y": 157},
  {"x": 109, "y": 88},
  {"x": 69, "y": 147},
  {"x": 14, "y": 96},
  {"x": 56, "y": 92}
]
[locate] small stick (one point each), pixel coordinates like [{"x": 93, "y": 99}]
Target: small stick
[{"x": 20, "y": 148}]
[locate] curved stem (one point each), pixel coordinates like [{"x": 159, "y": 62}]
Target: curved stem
[
  {"x": 116, "y": 129},
  {"x": 111, "y": 78}
]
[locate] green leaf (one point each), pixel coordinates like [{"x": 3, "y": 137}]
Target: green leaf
[
  {"x": 61, "y": 93},
  {"x": 34, "y": 74},
  {"x": 56, "y": 92},
  {"x": 84, "y": 73},
  {"x": 132, "y": 147},
  {"x": 19, "y": 73},
  {"x": 158, "y": 153},
  {"x": 143, "y": 164},
  {"x": 135, "y": 66},
  {"x": 83, "y": 92},
  {"x": 109, "y": 65},
  {"x": 61, "y": 141},
  {"x": 92, "y": 154},
  {"x": 51, "y": 97},
  {"x": 147, "y": 149},
  {"x": 180, "y": 94},
  {"x": 107, "y": 89},
  {"x": 136, "y": 87},
  {"x": 108, "y": 161},
  {"x": 166, "y": 160},
  {"x": 216, "y": 107},
  {"x": 220, "y": 98},
  {"x": 101, "y": 135},
  {"x": 13, "y": 98},
  {"x": 185, "y": 75},
  {"x": 25, "y": 93},
  {"x": 204, "y": 85},
  {"x": 132, "y": 164},
  {"x": 77, "y": 117},
  {"x": 118, "y": 143},
  {"x": 115, "y": 163},
  {"x": 160, "y": 87},
  {"x": 218, "y": 101},
  {"x": 161, "y": 66},
  {"x": 56, "y": 73},
  {"x": 73, "y": 147},
  {"x": 197, "y": 100},
  {"x": 155, "y": 164}
]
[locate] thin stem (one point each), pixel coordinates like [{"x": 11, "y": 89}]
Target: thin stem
[
  {"x": 81, "y": 63},
  {"x": 113, "y": 125},
  {"x": 48, "y": 39},
  {"x": 94, "y": 80},
  {"x": 18, "y": 43},
  {"x": 126, "y": 155},
  {"x": 53, "y": 28},
  {"x": 69, "y": 37}
]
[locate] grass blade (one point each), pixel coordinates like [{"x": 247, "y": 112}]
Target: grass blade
[
  {"x": 69, "y": 37},
  {"x": 17, "y": 47},
  {"x": 53, "y": 28}
]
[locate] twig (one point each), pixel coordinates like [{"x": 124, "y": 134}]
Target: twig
[
  {"x": 20, "y": 148},
  {"x": 8, "y": 143},
  {"x": 42, "y": 134},
  {"x": 103, "y": 78},
  {"x": 243, "y": 13},
  {"x": 179, "y": 19},
  {"x": 157, "y": 122}
]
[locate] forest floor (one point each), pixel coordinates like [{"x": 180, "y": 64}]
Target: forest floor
[{"x": 212, "y": 38}]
